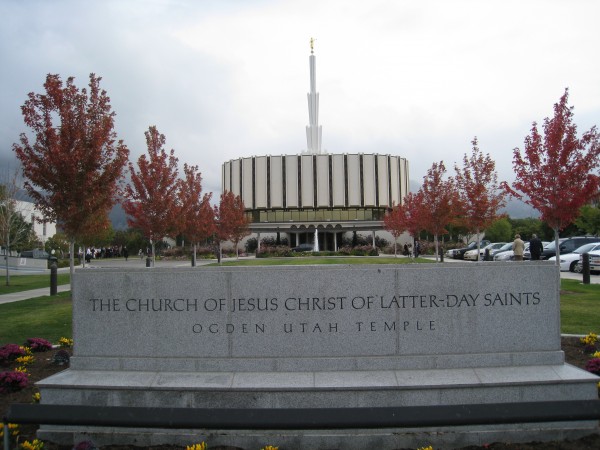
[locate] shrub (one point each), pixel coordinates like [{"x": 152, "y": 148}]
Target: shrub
[
  {"x": 274, "y": 251},
  {"x": 38, "y": 344},
  {"x": 593, "y": 366},
  {"x": 13, "y": 381},
  {"x": 174, "y": 252},
  {"x": 10, "y": 352}
]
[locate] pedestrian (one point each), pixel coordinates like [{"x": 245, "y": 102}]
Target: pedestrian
[
  {"x": 518, "y": 247},
  {"x": 535, "y": 248},
  {"x": 125, "y": 253},
  {"x": 417, "y": 249}
]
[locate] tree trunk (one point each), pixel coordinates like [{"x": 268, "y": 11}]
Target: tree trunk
[
  {"x": 478, "y": 244},
  {"x": 194, "y": 255},
  {"x": 153, "y": 253},
  {"x": 72, "y": 260},
  {"x": 557, "y": 246},
  {"x": 437, "y": 253},
  {"x": 7, "y": 254},
  {"x": 395, "y": 244}
]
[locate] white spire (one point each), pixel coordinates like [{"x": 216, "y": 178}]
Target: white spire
[{"x": 313, "y": 130}]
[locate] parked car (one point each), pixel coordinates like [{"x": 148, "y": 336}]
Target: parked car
[
  {"x": 527, "y": 253},
  {"x": 471, "y": 255},
  {"x": 509, "y": 254},
  {"x": 459, "y": 253},
  {"x": 594, "y": 262},
  {"x": 569, "y": 261},
  {"x": 506, "y": 247},
  {"x": 567, "y": 245},
  {"x": 304, "y": 248}
]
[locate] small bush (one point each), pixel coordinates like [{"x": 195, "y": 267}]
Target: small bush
[
  {"x": 13, "y": 381},
  {"x": 10, "y": 352},
  {"x": 274, "y": 251},
  {"x": 38, "y": 344},
  {"x": 593, "y": 366}
]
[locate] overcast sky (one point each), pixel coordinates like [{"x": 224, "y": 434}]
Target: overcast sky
[{"x": 227, "y": 79}]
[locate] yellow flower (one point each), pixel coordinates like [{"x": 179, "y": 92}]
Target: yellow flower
[
  {"x": 425, "y": 448},
  {"x": 270, "y": 447},
  {"x": 201, "y": 446},
  {"x": 21, "y": 369},
  {"x": 589, "y": 339},
  {"x": 25, "y": 360},
  {"x": 596, "y": 355},
  {"x": 65, "y": 342},
  {"x": 36, "y": 397},
  {"x": 13, "y": 428},
  {"x": 27, "y": 350},
  {"x": 35, "y": 445}
]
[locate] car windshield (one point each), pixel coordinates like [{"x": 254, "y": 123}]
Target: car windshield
[
  {"x": 552, "y": 245},
  {"x": 507, "y": 246},
  {"x": 585, "y": 248}
]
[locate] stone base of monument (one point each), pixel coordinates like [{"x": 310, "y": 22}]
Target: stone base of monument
[
  {"x": 322, "y": 389},
  {"x": 319, "y": 337}
]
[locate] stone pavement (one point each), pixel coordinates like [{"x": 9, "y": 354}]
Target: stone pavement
[{"x": 33, "y": 293}]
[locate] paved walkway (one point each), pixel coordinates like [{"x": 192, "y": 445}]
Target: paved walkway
[{"x": 33, "y": 293}]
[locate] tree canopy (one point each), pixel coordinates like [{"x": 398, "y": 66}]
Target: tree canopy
[
  {"x": 151, "y": 197},
  {"x": 74, "y": 164},
  {"x": 556, "y": 172}
]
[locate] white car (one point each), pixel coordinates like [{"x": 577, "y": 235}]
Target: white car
[
  {"x": 471, "y": 255},
  {"x": 594, "y": 262},
  {"x": 569, "y": 261}
]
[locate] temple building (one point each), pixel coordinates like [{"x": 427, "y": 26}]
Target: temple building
[{"x": 316, "y": 197}]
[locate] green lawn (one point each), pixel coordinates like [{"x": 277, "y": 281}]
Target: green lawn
[
  {"x": 20, "y": 283},
  {"x": 579, "y": 307},
  {"x": 50, "y": 317}
]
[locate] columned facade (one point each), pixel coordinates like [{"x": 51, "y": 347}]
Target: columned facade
[{"x": 332, "y": 193}]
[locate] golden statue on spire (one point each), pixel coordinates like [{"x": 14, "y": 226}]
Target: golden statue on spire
[{"x": 312, "y": 45}]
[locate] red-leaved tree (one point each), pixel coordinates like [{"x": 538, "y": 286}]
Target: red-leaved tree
[
  {"x": 394, "y": 221},
  {"x": 231, "y": 220},
  {"x": 151, "y": 200},
  {"x": 415, "y": 213},
  {"x": 73, "y": 167},
  {"x": 480, "y": 193},
  {"x": 441, "y": 203},
  {"x": 556, "y": 174},
  {"x": 196, "y": 218}
]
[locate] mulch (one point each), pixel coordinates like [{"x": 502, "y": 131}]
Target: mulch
[{"x": 43, "y": 367}]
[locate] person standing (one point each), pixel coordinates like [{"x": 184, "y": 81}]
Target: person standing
[
  {"x": 518, "y": 247},
  {"x": 535, "y": 248}
]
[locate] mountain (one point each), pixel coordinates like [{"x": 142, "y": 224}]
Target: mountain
[{"x": 515, "y": 209}]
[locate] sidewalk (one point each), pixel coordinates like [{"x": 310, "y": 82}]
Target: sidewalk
[{"x": 26, "y": 295}]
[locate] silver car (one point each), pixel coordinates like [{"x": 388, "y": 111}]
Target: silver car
[{"x": 471, "y": 255}]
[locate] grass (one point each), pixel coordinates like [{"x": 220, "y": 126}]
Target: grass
[
  {"x": 579, "y": 307},
  {"x": 20, "y": 283},
  {"x": 48, "y": 317}
]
